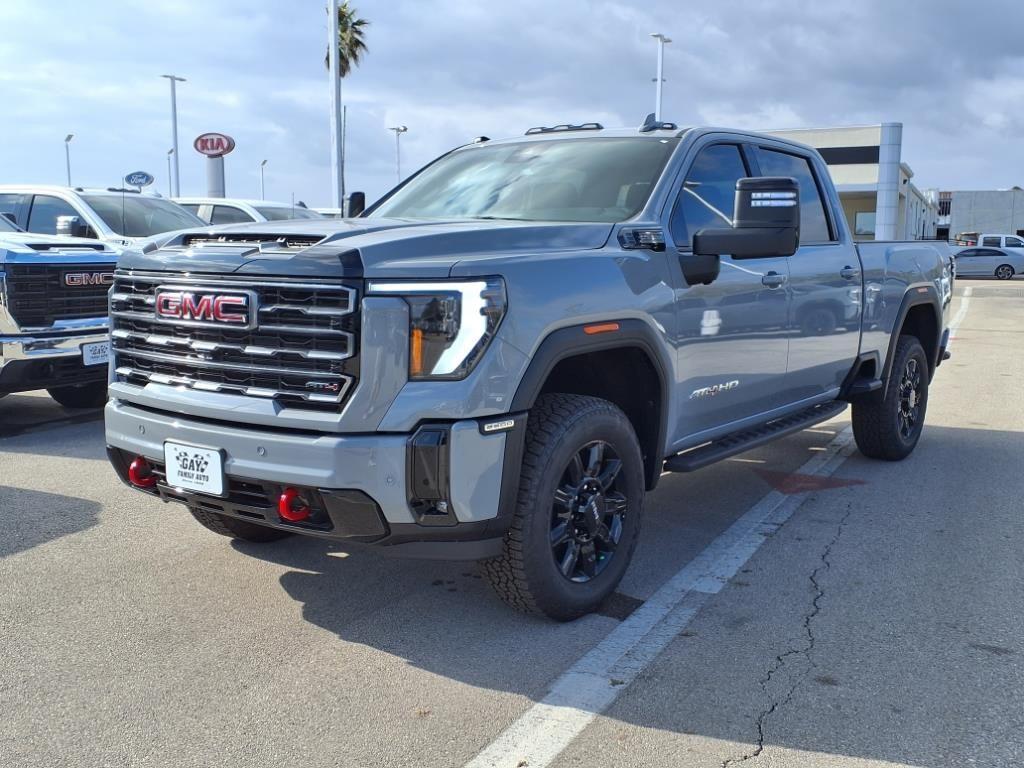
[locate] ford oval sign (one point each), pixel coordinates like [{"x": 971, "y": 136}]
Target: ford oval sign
[
  {"x": 213, "y": 144},
  {"x": 138, "y": 179}
]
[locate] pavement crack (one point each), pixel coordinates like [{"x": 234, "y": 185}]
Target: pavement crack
[{"x": 803, "y": 650}]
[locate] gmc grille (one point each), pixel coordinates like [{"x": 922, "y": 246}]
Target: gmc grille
[
  {"x": 302, "y": 351},
  {"x": 37, "y": 296}
]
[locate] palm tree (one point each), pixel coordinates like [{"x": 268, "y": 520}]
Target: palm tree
[{"x": 351, "y": 44}]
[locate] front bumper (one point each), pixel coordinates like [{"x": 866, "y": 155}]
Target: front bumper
[
  {"x": 38, "y": 361},
  {"x": 362, "y": 487}
]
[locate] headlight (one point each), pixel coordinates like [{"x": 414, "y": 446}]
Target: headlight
[{"x": 451, "y": 323}]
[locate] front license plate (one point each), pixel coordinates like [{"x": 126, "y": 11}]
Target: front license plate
[
  {"x": 97, "y": 353},
  {"x": 194, "y": 469}
]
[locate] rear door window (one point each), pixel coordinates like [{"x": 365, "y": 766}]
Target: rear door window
[
  {"x": 45, "y": 210},
  {"x": 226, "y": 214},
  {"x": 1014, "y": 242},
  {"x": 814, "y": 227},
  {"x": 708, "y": 196},
  {"x": 990, "y": 242}
]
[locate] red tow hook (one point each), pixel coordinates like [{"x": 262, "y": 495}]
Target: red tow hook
[
  {"x": 291, "y": 507},
  {"x": 140, "y": 473}
]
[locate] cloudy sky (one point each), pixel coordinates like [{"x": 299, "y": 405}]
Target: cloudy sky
[{"x": 952, "y": 72}]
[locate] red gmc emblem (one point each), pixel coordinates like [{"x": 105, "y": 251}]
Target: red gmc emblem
[{"x": 199, "y": 307}]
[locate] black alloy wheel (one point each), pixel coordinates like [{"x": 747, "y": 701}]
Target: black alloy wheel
[
  {"x": 588, "y": 513},
  {"x": 911, "y": 393}
]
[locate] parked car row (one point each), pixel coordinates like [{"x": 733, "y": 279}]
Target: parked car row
[{"x": 58, "y": 249}]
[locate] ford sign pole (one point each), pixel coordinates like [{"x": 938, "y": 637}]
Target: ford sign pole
[{"x": 174, "y": 130}]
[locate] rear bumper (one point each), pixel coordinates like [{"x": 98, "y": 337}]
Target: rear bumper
[
  {"x": 30, "y": 362},
  {"x": 362, "y": 488}
]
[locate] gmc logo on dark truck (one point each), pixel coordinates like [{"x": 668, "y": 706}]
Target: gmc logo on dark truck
[
  {"x": 206, "y": 308},
  {"x": 81, "y": 279}
]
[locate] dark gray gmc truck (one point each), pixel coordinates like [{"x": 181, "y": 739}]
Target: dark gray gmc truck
[{"x": 501, "y": 356}]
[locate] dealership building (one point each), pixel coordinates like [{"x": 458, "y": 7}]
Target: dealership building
[{"x": 874, "y": 184}]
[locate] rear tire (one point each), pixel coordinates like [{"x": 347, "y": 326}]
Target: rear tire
[
  {"x": 1004, "y": 272},
  {"x": 578, "y": 510},
  {"x": 86, "y": 396},
  {"x": 888, "y": 424},
  {"x": 237, "y": 529}
]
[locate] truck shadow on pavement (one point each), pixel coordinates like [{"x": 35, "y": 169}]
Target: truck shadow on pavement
[
  {"x": 442, "y": 618},
  {"x": 22, "y": 414},
  {"x": 31, "y": 518}
]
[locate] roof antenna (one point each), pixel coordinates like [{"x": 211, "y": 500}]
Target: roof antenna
[{"x": 652, "y": 124}]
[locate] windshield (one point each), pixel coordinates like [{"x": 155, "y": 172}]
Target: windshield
[
  {"x": 596, "y": 179},
  {"x": 281, "y": 213},
  {"x": 133, "y": 215}
]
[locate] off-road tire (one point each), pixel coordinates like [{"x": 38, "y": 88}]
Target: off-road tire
[
  {"x": 525, "y": 575},
  {"x": 237, "y": 529},
  {"x": 86, "y": 396},
  {"x": 876, "y": 423},
  {"x": 1004, "y": 272}
]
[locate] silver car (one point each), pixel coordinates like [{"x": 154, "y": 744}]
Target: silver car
[{"x": 1003, "y": 263}]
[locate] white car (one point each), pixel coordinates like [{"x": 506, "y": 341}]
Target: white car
[
  {"x": 220, "y": 210},
  {"x": 975, "y": 239},
  {"x": 1003, "y": 263},
  {"x": 117, "y": 216}
]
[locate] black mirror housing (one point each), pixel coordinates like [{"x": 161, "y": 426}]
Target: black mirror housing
[
  {"x": 73, "y": 226},
  {"x": 766, "y": 224}
]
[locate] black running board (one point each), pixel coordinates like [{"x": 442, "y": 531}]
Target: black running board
[{"x": 739, "y": 442}]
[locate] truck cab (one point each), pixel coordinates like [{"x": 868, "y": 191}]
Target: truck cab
[
  {"x": 507, "y": 351},
  {"x": 218, "y": 210},
  {"x": 117, "y": 216}
]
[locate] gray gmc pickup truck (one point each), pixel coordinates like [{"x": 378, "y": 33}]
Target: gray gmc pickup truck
[
  {"x": 53, "y": 315},
  {"x": 501, "y": 356}
]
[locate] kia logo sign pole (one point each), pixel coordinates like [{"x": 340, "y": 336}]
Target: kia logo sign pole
[
  {"x": 138, "y": 179},
  {"x": 214, "y": 146}
]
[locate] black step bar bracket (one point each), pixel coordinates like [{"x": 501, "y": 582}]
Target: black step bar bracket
[{"x": 745, "y": 440}]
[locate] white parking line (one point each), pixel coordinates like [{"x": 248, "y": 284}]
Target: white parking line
[
  {"x": 588, "y": 687},
  {"x": 958, "y": 318}
]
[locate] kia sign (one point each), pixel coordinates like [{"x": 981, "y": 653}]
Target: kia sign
[
  {"x": 213, "y": 144},
  {"x": 138, "y": 179}
]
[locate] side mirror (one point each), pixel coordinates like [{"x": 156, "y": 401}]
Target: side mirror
[
  {"x": 356, "y": 205},
  {"x": 73, "y": 226},
  {"x": 767, "y": 222}
]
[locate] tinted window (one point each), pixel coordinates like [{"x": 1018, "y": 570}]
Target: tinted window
[
  {"x": 708, "y": 196},
  {"x": 1014, "y": 242},
  {"x": 6, "y": 225},
  {"x": 813, "y": 223},
  {"x": 192, "y": 208},
  {"x": 991, "y": 242},
  {"x": 968, "y": 253},
  {"x": 225, "y": 214},
  {"x": 44, "y": 213},
  {"x": 9, "y": 203},
  {"x": 593, "y": 179},
  {"x": 279, "y": 213},
  {"x": 134, "y": 215}
]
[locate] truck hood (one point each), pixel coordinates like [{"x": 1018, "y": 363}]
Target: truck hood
[
  {"x": 28, "y": 241},
  {"x": 354, "y": 247}
]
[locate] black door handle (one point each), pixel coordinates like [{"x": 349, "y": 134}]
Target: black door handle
[
  {"x": 773, "y": 279},
  {"x": 848, "y": 273}
]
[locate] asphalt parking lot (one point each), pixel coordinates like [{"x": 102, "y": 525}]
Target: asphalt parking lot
[{"x": 796, "y": 606}]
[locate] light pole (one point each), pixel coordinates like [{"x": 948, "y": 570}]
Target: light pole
[
  {"x": 67, "y": 154},
  {"x": 337, "y": 185},
  {"x": 174, "y": 131},
  {"x": 170, "y": 192},
  {"x": 263, "y": 195},
  {"x": 661, "y": 68},
  {"x": 399, "y": 130}
]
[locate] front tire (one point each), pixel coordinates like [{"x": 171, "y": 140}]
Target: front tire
[
  {"x": 1004, "y": 272},
  {"x": 237, "y": 529},
  {"x": 578, "y": 510},
  {"x": 86, "y": 396},
  {"x": 888, "y": 424}
]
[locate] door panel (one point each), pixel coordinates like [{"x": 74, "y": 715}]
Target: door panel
[
  {"x": 826, "y": 286},
  {"x": 732, "y": 341}
]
